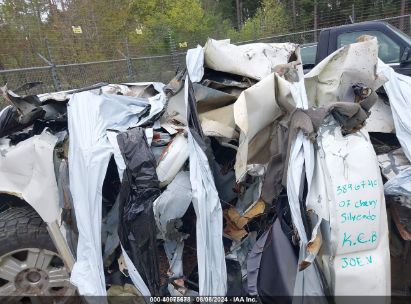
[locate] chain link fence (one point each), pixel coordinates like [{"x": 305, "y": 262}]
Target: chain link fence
[{"x": 56, "y": 77}]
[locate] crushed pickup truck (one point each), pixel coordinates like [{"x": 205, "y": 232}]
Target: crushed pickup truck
[{"x": 241, "y": 176}]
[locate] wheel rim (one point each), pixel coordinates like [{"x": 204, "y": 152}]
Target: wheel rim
[{"x": 31, "y": 272}]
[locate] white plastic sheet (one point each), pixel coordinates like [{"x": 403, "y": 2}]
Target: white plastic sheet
[
  {"x": 398, "y": 88},
  {"x": 195, "y": 62},
  {"x": 90, "y": 117},
  {"x": 210, "y": 251}
]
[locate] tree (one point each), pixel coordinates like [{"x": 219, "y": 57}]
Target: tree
[
  {"x": 161, "y": 20},
  {"x": 269, "y": 19}
]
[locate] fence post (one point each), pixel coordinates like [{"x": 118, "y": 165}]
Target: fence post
[
  {"x": 173, "y": 52},
  {"x": 255, "y": 31},
  {"x": 315, "y": 20},
  {"x": 54, "y": 77},
  {"x": 129, "y": 63},
  {"x": 353, "y": 13}
]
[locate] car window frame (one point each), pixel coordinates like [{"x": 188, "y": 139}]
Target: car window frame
[{"x": 364, "y": 31}]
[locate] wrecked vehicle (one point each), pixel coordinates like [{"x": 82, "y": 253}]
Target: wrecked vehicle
[{"x": 240, "y": 177}]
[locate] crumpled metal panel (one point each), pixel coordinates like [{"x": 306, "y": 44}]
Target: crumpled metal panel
[
  {"x": 350, "y": 250},
  {"x": 210, "y": 99},
  {"x": 381, "y": 119},
  {"x": 393, "y": 162},
  {"x": 254, "y": 60},
  {"x": 256, "y": 109},
  {"x": 396, "y": 167},
  {"x": 332, "y": 79},
  {"x": 301, "y": 162},
  {"x": 27, "y": 170},
  {"x": 219, "y": 123},
  {"x": 350, "y": 196},
  {"x": 9, "y": 121}
]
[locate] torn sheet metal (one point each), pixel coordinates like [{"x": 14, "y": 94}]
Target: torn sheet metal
[
  {"x": 90, "y": 115},
  {"x": 172, "y": 159},
  {"x": 393, "y": 162},
  {"x": 381, "y": 119},
  {"x": 255, "y": 60},
  {"x": 27, "y": 170},
  {"x": 145, "y": 89},
  {"x": 140, "y": 188},
  {"x": 400, "y": 184},
  {"x": 9, "y": 121},
  {"x": 210, "y": 251},
  {"x": 225, "y": 82},
  {"x": 117, "y": 89},
  {"x": 239, "y": 252},
  {"x": 157, "y": 103},
  {"x": 250, "y": 192},
  {"x": 301, "y": 164},
  {"x": 219, "y": 123},
  {"x": 210, "y": 99},
  {"x": 175, "y": 110},
  {"x": 151, "y": 91},
  {"x": 332, "y": 79},
  {"x": 308, "y": 281},
  {"x": 396, "y": 167},
  {"x": 256, "y": 109},
  {"x": 139, "y": 89},
  {"x": 30, "y": 108},
  {"x": 195, "y": 62},
  {"x": 355, "y": 230}
]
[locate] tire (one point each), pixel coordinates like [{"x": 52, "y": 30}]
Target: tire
[
  {"x": 29, "y": 263},
  {"x": 22, "y": 227}
]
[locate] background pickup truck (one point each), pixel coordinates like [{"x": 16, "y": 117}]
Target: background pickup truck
[{"x": 394, "y": 45}]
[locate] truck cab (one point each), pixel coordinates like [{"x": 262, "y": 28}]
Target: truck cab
[{"x": 394, "y": 45}]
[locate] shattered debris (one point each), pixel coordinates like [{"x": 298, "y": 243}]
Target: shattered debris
[{"x": 241, "y": 176}]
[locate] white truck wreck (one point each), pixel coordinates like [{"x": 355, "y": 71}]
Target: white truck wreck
[{"x": 241, "y": 177}]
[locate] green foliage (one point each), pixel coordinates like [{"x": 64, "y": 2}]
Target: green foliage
[
  {"x": 155, "y": 26},
  {"x": 270, "y": 18},
  {"x": 182, "y": 21}
]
